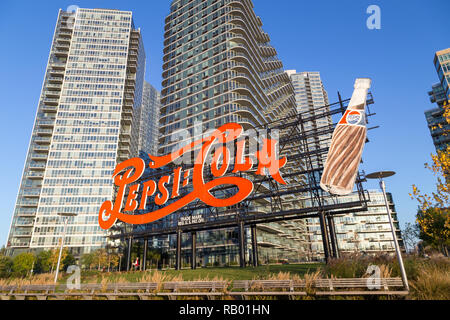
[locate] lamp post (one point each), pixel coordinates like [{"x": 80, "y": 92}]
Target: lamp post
[
  {"x": 380, "y": 175},
  {"x": 66, "y": 220}
]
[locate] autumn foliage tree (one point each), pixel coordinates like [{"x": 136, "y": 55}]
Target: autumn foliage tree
[
  {"x": 433, "y": 216},
  {"x": 100, "y": 259},
  {"x": 53, "y": 259}
]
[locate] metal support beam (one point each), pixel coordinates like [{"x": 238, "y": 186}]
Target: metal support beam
[
  {"x": 144, "y": 260},
  {"x": 130, "y": 240},
  {"x": 138, "y": 255},
  {"x": 254, "y": 246},
  {"x": 333, "y": 238},
  {"x": 194, "y": 250},
  {"x": 326, "y": 243},
  {"x": 241, "y": 244},
  {"x": 178, "y": 251}
]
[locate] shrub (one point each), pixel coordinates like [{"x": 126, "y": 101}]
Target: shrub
[
  {"x": 5, "y": 266},
  {"x": 22, "y": 264},
  {"x": 432, "y": 283},
  {"x": 353, "y": 266}
]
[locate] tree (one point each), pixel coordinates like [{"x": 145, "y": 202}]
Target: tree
[
  {"x": 433, "y": 218},
  {"x": 5, "y": 266},
  {"x": 410, "y": 235},
  {"x": 43, "y": 262},
  {"x": 435, "y": 228},
  {"x": 54, "y": 258},
  {"x": 113, "y": 260},
  {"x": 88, "y": 260},
  {"x": 101, "y": 258},
  {"x": 68, "y": 261},
  {"x": 23, "y": 263}
]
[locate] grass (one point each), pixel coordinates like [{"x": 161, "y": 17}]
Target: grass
[{"x": 210, "y": 273}]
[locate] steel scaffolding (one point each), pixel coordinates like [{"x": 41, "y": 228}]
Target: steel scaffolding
[{"x": 300, "y": 198}]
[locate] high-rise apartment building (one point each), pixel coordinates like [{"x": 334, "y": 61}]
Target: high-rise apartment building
[
  {"x": 85, "y": 123},
  {"x": 312, "y": 101},
  {"x": 365, "y": 231},
  {"x": 442, "y": 65},
  {"x": 149, "y": 120},
  {"x": 440, "y": 94},
  {"x": 219, "y": 67}
]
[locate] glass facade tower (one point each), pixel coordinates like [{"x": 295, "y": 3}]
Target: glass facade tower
[
  {"x": 312, "y": 100},
  {"x": 360, "y": 232},
  {"x": 85, "y": 124},
  {"x": 149, "y": 120},
  {"x": 220, "y": 67},
  {"x": 440, "y": 94}
]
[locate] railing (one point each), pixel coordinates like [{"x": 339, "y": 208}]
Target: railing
[
  {"x": 239, "y": 289},
  {"x": 35, "y": 174}
]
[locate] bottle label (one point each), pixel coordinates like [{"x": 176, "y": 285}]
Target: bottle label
[{"x": 353, "y": 117}]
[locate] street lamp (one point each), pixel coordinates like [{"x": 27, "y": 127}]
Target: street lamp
[
  {"x": 380, "y": 175},
  {"x": 66, "y": 220}
]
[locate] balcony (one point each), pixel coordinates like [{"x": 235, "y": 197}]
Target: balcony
[
  {"x": 66, "y": 33},
  {"x": 54, "y": 86},
  {"x": 63, "y": 38},
  {"x": 63, "y": 26},
  {"x": 31, "y": 193},
  {"x": 51, "y": 101},
  {"x": 39, "y": 156},
  {"x": 22, "y": 234},
  {"x": 57, "y": 73},
  {"x": 61, "y": 53},
  {"x": 125, "y": 141},
  {"x": 127, "y": 113},
  {"x": 42, "y": 140},
  {"x": 46, "y": 123},
  {"x": 35, "y": 175},
  {"x": 126, "y": 119},
  {"x": 52, "y": 94},
  {"x": 58, "y": 80},
  {"x": 28, "y": 203},
  {"x": 122, "y": 157},
  {"x": 125, "y": 134},
  {"x": 132, "y": 66},
  {"x": 39, "y": 148},
  {"x": 129, "y": 98},
  {"x": 37, "y": 166},
  {"x": 23, "y": 224},
  {"x": 17, "y": 244},
  {"x": 62, "y": 46},
  {"x": 124, "y": 149},
  {"x": 58, "y": 65},
  {"x": 27, "y": 213},
  {"x": 128, "y": 105},
  {"x": 44, "y": 132},
  {"x": 49, "y": 109},
  {"x": 130, "y": 85}
]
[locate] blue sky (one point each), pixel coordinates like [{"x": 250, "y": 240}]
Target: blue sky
[{"x": 326, "y": 36}]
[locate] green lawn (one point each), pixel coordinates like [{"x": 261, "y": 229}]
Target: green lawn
[{"x": 227, "y": 273}]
